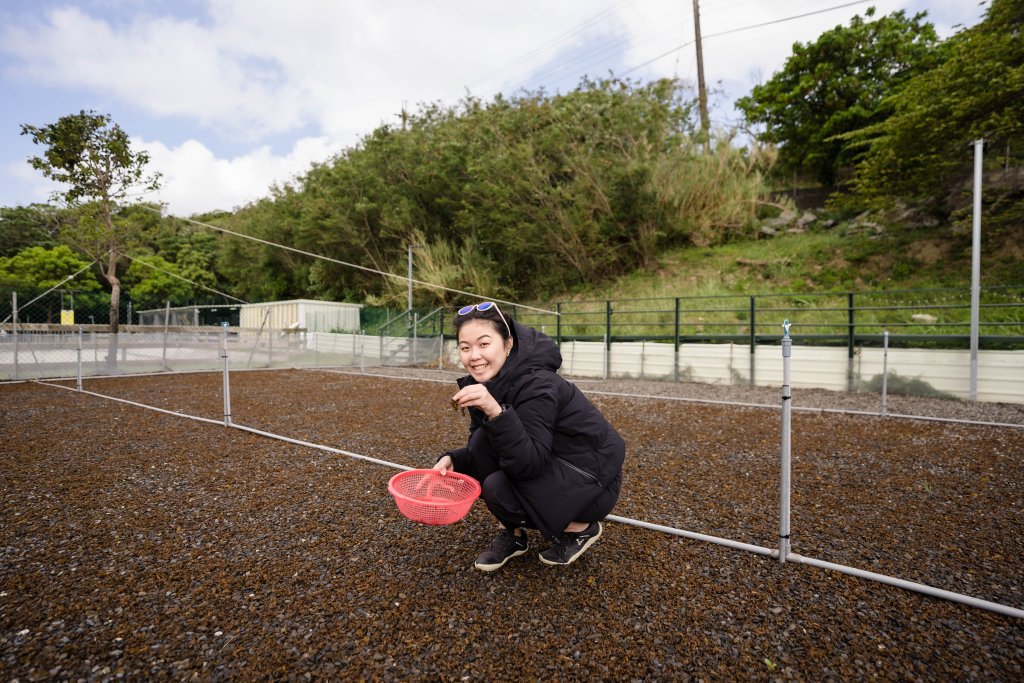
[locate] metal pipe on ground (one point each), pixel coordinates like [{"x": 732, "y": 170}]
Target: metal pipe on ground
[
  {"x": 852, "y": 571},
  {"x": 911, "y": 586}
]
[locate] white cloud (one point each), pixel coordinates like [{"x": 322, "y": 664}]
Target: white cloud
[
  {"x": 164, "y": 66},
  {"x": 194, "y": 180},
  {"x": 266, "y": 67},
  {"x": 250, "y": 71},
  {"x": 20, "y": 184}
]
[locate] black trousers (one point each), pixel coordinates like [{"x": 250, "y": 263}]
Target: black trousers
[{"x": 498, "y": 491}]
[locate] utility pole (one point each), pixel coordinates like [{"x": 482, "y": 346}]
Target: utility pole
[
  {"x": 702, "y": 92},
  {"x": 411, "y": 247}
]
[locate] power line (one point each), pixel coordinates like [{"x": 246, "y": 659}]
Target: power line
[
  {"x": 191, "y": 282},
  {"x": 744, "y": 28},
  {"x": 382, "y": 273},
  {"x": 551, "y": 43},
  {"x": 600, "y": 52},
  {"x": 796, "y": 16}
]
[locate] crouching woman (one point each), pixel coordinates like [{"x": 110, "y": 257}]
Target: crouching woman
[{"x": 545, "y": 456}]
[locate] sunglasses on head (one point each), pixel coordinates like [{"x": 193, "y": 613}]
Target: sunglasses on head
[{"x": 483, "y": 307}]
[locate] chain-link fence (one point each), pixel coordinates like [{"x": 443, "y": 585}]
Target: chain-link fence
[
  {"x": 44, "y": 354},
  {"x": 710, "y": 339}
]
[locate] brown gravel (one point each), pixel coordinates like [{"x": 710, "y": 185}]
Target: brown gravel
[{"x": 146, "y": 546}]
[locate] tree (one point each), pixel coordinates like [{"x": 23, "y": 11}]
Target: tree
[
  {"x": 151, "y": 281},
  {"x": 92, "y": 157},
  {"x": 27, "y": 226},
  {"x": 838, "y": 84},
  {"x": 922, "y": 150},
  {"x": 519, "y": 197},
  {"x": 42, "y": 268}
]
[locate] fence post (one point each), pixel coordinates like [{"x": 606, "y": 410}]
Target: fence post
[
  {"x": 643, "y": 356},
  {"x": 675, "y": 355},
  {"x": 784, "y": 479},
  {"x": 415, "y": 338},
  {"x": 14, "y": 329},
  {"x": 850, "y": 341},
  {"x": 227, "y": 384},
  {"x": 270, "y": 339},
  {"x": 79, "y": 350},
  {"x": 753, "y": 338},
  {"x": 440, "y": 351},
  {"x": 850, "y": 329},
  {"x": 979, "y": 146},
  {"x": 885, "y": 369},
  {"x": 607, "y": 338},
  {"x": 558, "y": 324},
  {"x": 167, "y": 321}
]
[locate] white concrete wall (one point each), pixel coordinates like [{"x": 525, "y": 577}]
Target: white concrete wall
[
  {"x": 1000, "y": 373},
  {"x": 356, "y": 349}
]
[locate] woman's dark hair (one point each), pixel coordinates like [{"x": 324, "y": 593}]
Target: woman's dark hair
[{"x": 502, "y": 322}]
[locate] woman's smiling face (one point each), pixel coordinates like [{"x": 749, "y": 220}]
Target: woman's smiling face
[{"x": 481, "y": 349}]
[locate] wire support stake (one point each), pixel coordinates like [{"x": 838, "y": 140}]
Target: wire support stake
[{"x": 784, "y": 478}]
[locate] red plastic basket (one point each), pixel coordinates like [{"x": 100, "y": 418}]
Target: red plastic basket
[{"x": 427, "y": 497}]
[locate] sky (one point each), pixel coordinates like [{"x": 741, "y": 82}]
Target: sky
[{"x": 233, "y": 97}]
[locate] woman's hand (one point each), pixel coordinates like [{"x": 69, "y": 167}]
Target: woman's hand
[
  {"x": 477, "y": 396},
  {"x": 445, "y": 465}
]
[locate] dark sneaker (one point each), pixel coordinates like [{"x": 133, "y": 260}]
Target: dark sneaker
[
  {"x": 571, "y": 545},
  {"x": 502, "y": 549}
]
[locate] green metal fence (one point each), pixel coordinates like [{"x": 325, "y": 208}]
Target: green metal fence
[{"x": 938, "y": 318}]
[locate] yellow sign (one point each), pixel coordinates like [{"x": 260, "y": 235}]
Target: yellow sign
[{"x": 67, "y": 317}]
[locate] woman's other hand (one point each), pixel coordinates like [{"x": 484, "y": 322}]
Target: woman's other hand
[{"x": 445, "y": 465}]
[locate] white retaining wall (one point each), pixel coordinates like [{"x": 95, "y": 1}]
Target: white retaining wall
[{"x": 1000, "y": 373}]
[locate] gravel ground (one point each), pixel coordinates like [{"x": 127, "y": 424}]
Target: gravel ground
[{"x": 145, "y": 546}]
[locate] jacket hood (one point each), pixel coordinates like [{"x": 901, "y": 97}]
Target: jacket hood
[{"x": 531, "y": 351}]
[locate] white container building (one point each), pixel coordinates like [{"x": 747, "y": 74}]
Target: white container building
[{"x": 301, "y": 314}]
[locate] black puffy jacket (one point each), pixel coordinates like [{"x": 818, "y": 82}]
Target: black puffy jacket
[{"x": 555, "y": 446}]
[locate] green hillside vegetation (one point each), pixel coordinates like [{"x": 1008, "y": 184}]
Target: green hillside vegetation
[
  {"x": 843, "y": 257},
  {"x": 519, "y": 198}
]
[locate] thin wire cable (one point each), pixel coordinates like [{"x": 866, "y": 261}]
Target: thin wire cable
[
  {"x": 599, "y": 53},
  {"x": 602, "y": 50},
  {"x": 561, "y": 38},
  {"x": 403, "y": 278},
  {"x": 742, "y": 28},
  {"x": 779, "y": 21},
  {"x": 69, "y": 277},
  {"x": 183, "y": 279}
]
